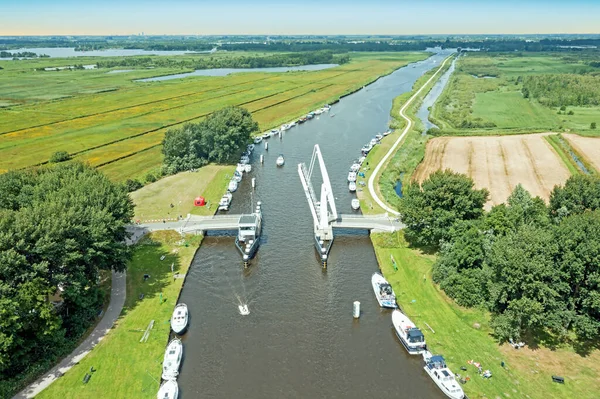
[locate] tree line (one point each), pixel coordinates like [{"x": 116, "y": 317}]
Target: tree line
[
  {"x": 557, "y": 90},
  {"x": 536, "y": 267},
  {"x": 22, "y": 54},
  {"x": 221, "y": 138},
  {"x": 59, "y": 226},
  {"x": 275, "y": 60}
]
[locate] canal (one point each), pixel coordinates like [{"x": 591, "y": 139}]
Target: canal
[
  {"x": 432, "y": 96},
  {"x": 300, "y": 339}
]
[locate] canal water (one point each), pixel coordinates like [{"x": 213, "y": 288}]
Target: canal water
[
  {"x": 432, "y": 96},
  {"x": 300, "y": 340}
]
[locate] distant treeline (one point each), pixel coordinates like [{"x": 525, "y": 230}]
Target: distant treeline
[
  {"x": 24, "y": 54},
  {"x": 563, "y": 90},
  {"x": 275, "y": 60}
]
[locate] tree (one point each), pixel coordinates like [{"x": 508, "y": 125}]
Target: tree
[
  {"x": 132, "y": 185},
  {"x": 580, "y": 193},
  {"x": 230, "y": 131},
  {"x": 444, "y": 198},
  {"x": 60, "y": 156},
  {"x": 593, "y": 125}
]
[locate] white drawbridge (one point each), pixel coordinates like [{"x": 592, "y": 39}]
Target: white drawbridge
[{"x": 325, "y": 214}]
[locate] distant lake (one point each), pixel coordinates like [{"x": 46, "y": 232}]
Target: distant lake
[
  {"x": 62, "y": 52},
  {"x": 227, "y": 71}
]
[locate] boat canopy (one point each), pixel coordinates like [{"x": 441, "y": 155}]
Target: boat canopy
[
  {"x": 437, "y": 362},
  {"x": 415, "y": 336}
]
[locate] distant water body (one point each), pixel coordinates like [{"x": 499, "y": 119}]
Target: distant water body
[
  {"x": 65, "y": 52},
  {"x": 227, "y": 71}
]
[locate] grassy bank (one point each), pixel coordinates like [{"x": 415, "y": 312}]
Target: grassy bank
[
  {"x": 124, "y": 366},
  {"x": 464, "y": 334},
  {"x": 120, "y": 131},
  {"x": 153, "y": 201}
]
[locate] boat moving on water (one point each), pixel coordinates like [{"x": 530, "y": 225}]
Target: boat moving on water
[
  {"x": 280, "y": 160},
  {"x": 172, "y": 360},
  {"x": 383, "y": 291},
  {"x": 436, "y": 367},
  {"x": 168, "y": 390},
  {"x": 179, "y": 320},
  {"x": 411, "y": 337}
]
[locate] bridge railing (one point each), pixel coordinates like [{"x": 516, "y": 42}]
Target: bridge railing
[
  {"x": 383, "y": 216},
  {"x": 313, "y": 197}
]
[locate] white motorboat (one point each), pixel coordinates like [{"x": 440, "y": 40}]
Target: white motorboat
[
  {"x": 225, "y": 202},
  {"x": 248, "y": 168},
  {"x": 361, "y": 160},
  {"x": 352, "y": 186},
  {"x": 274, "y": 132},
  {"x": 266, "y": 135},
  {"x": 168, "y": 390},
  {"x": 284, "y": 127},
  {"x": 355, "y": 167},
  {"x": 318, "y": 111},
  {"x": 179, "y": 320},
  {"x": 383, "y": 291},
  {"x": 374, "y": 142},
  {"x": 355, "y": 204},
  {"x": 280, "y": 160},
  {"x": 292, "y": 124},
  {"x": 439, "y": 372},
  {"x": 366, "y": 148},
  {"x": 411, "y": 337},
  {"x": 257, "y": 140},
  {"x": 233, "y": 185},
  {"x": 244, "y": 311},
  {"x": 248, "y": 238},
  {"x": 250, "y": 148},
  {"x": 240, "y": 167},
  {"x": 378, "y": 137},
  {"x": 351, "y": 176},
  {"x": 172, "y": 360},
  {"x": 245, "y": 160},
  {"x": 387, "y": 132}
]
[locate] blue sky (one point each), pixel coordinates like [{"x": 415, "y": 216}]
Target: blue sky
[{"x": 69, "y": 17}]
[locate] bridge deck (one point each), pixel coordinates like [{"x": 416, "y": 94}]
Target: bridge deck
[
  {"x": 367, "y": 222},
  {"x": 194, "y": 223}
]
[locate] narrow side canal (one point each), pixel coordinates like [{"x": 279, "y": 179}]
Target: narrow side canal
[{"x": 300, "y": 340}]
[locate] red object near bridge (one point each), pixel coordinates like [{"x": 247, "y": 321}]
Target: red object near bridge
[{"x": 199, "y": 201}]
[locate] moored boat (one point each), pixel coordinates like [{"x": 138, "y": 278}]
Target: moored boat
[
  {"x": 383, "y": 291},
  {"x": 172, "y": 360},
  {"x": 257, "y": 140},
  {"x": 374, "y": 142},
  {"x": 168, "y": 390},
  {"x": 411, "y": 337},
  {"x": 318, "y": 111},
  {"x": 233, "y": 185},
  {"x": 280, "y": 160},
  {"x": 179, "y": 320},
  {"x": 355, "y": 167},
  {"x": 355, "y": 204},
  {"x": 439, "y": 372},
  {"x": 366, "y": 148},
  {"x": 248, "y": 168},
  {"x": 378, "y": 137},
  {"x": 352, "y": 186},
  {"x": 245, "y": 159},
  {"x": 250, "y": 148},
  {"x": 284, "y": 127},
  {"x": 237, "y": 176},
  {"x": 225, "y": 201},
  {"x": 274, "y": 132},
  {"x": 351, "y": 176},
  {"x": 361, "y": 160},
  {"x": 266, "y": 135}
]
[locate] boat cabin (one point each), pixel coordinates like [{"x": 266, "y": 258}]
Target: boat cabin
[
  {"x": 385, "y": 290},
  {"x": 415, "y": 336},
  {"x": 247, "y": 227},
  {"x": 436, "y": 362}
]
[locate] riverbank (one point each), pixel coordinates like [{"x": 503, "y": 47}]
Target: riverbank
[{"x": 124, "y": 366}]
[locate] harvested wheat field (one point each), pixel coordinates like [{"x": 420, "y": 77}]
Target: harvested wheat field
[
  {"x": 498, "y": 163},
  {"x": 588, "y": 147}
]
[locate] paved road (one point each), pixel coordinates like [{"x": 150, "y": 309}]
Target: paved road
[{"x": 409, "y": 124}]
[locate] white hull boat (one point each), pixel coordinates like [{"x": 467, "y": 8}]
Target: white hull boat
[
  {"x": 374, "y": 142},
  {"x": 280, "y": 160},
  {"x": 274, "y": 132},
  {"x": 257, "y": 140},
  {"x": 361, "y": 160},
  {"x": 244, "y": 311},
  {"x": 245, "y": 160},
  {"x": 383, "y": 291},
  {"x": 387, "y": 133},
  {"x": 248, "y": 168},
  {"x": 352, "y": 186},
  {"x": 172, "y": 360},
  {"x": 436, "y": 367},
  {"x": 237, "y": 176},
  {"x": 240, "y": 167},
  {"x": 225, "y": 202},
  {"x": 411, "y": 337},
  {"x": 318, "y": 111},
  {"x": 378, "y": 137},
  {"x": 355, "y": 204},
  {"x": 352, "y": 177},
  {"x": 233, "y": 185},
  {"x": 179, "y": 320},
  {"x": 355, "y": 167},
  {"x": 266, "y": 135},
  {"x": 284, "y": 127},
  {"x": 168, "y": 390}
]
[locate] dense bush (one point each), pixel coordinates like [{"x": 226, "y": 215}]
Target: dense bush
[
  {"x": 563, "y": 90},
  {"x": 535, "y": 267},
  {"x": 58, "y": 227},
  {"x": 60, "y": 156},
  {"x": 220, "y": 138},
  {"x": 132, "y": 185}
]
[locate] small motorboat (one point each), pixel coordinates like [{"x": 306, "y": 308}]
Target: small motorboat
[
  {"x": 302, "y": 120},
  {"x": 266, "y": 135},
  {"x": 355, "y": 167},
  {"x": 292, "y": 124},
  {"x": 374, "y": 142},
  {"x": 237, "y": 176},
  {"x": 355, "y": 203},
  {"x": 387, "y": 132},
  {"x": 233, "y": 185},
  {"x": 411, "y": 337},
  {"x": 248, "y": 168},
  {"x": 383, "y": 291},
  {"x": 245, "y": 159},
  {"x": 352, "y": 186},
  {"x": 378, "y": 137},
  {"x": 240, "y": 168},
  {"x": 172, "y": 360},
  {"x": 274, "y": 132},
  {"x": 366, "y": 148},
  {"x": 168, "y": 390},
  {"x": 179, "y": 320},
  {"x": 250, "y": 148},
  {"x": 257, "y": 140},
  {"x": 351, "y": 176},
  {"x": 280, "y": 160},
  {"x": 225, "y": 202},
  {"x": 244, "y": 311},
  {"x": 310, "y": 115},
  {"x": 318, "y": 111},
  {"x": 439, "y": 372},
  {"x": 284, "y": 127},
  {"x": 361, "y": 160}
]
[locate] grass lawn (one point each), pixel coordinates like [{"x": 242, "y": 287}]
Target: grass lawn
[
  {"x": 464, "y": 334},
  {"x": 126, "y": 368},
  {"x": 154, "y": 200},
  {"x": 509, "y": 110}
]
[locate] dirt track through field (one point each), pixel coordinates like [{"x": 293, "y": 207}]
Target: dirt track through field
[
  {"x": 498, "y": 163},
  {"x": 588, "y": 147}
]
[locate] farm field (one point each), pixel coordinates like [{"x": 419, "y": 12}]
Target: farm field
[
  {"x": 484, "y": 96},
  {"x": 588, "y": 147},
  {"x": 498, "y": 163},
  {"x": 110, "y": 129}
]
